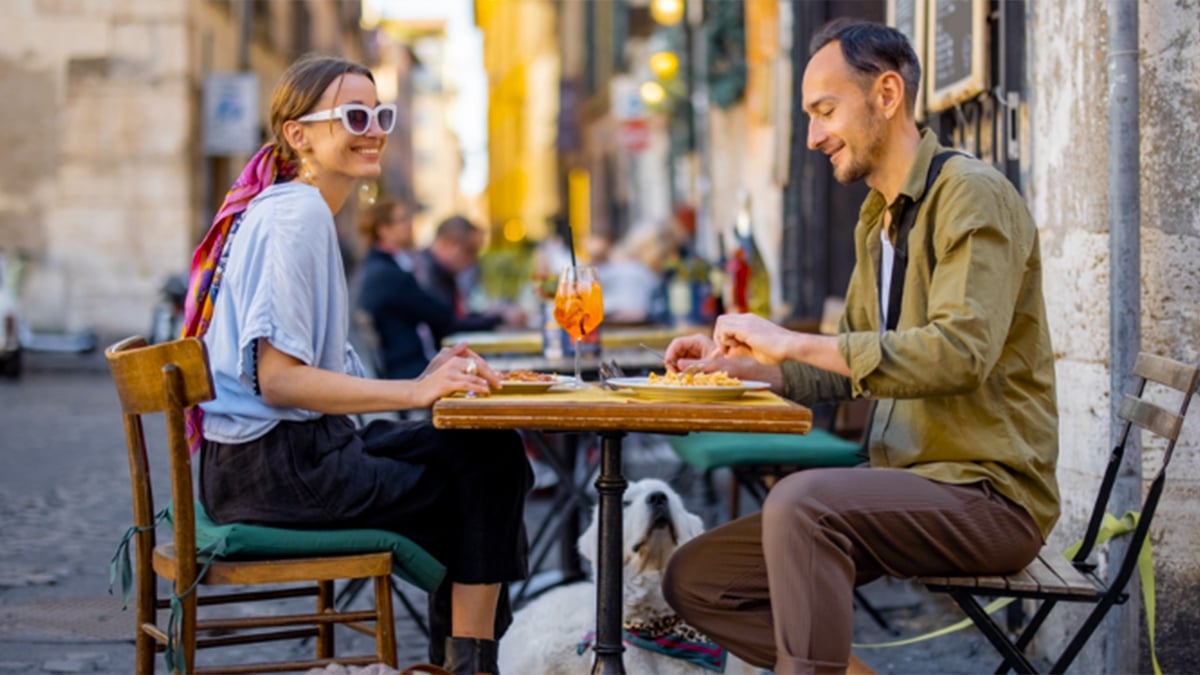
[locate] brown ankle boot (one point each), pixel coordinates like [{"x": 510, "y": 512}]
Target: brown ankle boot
[{"x": 468, "y": 656}]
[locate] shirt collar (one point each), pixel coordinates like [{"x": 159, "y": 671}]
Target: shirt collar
[{"x": 913, "y": 186}]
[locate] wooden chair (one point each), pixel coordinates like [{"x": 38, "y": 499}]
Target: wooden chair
[
  {"x": 1051, "y": 578},
  {"x": 168, "y": 378}
]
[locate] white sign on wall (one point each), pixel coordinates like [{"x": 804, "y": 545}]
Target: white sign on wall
[{"x": 230, "y": 124}]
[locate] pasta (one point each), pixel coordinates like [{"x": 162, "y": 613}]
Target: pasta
[
  {"x": 719, "y": 378},
  {"x": 525, "y": 376}
]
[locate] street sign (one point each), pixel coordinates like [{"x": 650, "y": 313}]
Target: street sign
[{"x": 230, "y": 125}]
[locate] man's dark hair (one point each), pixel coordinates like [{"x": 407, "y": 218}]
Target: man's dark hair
[
  {"x": 871, "y": 49},
  {"x": 456, "y": 229}
]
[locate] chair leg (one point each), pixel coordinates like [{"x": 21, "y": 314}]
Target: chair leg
[
  {"x": 1085, "y": 631},
  {"x": 385, "y": 623},
  {"x": 146, "y": 614},
  {"x": 872, "y": 612},
  {"x": 735, "y": 493},
  {"x": 412, "y": 611},
  {"x": 186, "y": 640},
  {"x": 325, "y": 639},
  {"x": 1013, "y": 657}
]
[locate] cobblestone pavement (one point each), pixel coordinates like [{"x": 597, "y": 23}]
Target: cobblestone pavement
[{"x": 64, "y": 502}]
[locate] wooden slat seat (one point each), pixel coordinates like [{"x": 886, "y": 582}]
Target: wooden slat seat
[{"x": 1048, "y": 575}]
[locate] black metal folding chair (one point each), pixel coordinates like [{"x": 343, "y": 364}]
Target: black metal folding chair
[{"x": 1051, "y": 578}]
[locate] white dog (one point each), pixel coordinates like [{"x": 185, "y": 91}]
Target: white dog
[{"x": 546, "y": 635}]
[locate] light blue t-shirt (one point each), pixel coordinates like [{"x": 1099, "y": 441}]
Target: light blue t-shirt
[{"x": 283, "y": 281}]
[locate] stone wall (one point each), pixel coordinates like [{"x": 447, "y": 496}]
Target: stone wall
[
  {"x": 1068, "y": 194},
  {"x": 104, "y": 186},
  {"x": 96, "y": 184}
]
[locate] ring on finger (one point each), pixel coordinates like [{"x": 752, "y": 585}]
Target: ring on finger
[{"x": 471, "y": 368}]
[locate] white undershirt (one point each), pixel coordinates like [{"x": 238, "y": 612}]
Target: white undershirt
[{"x": 886, "y": 260}]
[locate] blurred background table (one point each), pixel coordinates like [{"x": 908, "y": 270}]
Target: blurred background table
[{"x": 612, "y": 339}]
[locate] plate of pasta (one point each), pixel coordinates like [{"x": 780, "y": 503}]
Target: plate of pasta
[
  {"x": 527, "y": 382},
  {"x": 718, "y": 386}
]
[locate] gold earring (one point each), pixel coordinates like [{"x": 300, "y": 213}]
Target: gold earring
[
  {"x": 367, "y": 193},
  {"x": 307, "y": 173}
]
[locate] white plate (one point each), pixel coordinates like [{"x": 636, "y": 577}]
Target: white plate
[
  {"x": 644, "y": 388},
  {"x": 518, "y": 387}
]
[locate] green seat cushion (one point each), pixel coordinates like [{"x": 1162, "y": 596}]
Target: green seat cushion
[
  {"x": 247, "y": 542},
  {"x": 712, "y": 449}
]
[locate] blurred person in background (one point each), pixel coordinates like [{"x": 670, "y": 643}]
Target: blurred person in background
[
  {"x": 632, "y": 276},
  {"x": 453, "y": 253},
  {"x": 278, "y": 447},
  {"x": 403, "y": 314}
]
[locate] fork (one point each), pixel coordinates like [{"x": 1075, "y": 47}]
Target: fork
[
  {"x": 690, "y": 370},
  {"x": 606, "y": 372}
]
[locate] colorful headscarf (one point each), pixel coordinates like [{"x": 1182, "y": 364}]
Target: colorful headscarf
[{"x": 205, "y": 278}]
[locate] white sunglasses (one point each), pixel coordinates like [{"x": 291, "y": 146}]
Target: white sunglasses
[{"x": 357, "y": 117}]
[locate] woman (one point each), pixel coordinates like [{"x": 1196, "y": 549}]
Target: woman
[{"x": 268, "y": 294}]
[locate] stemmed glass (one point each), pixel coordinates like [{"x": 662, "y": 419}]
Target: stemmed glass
[{"x": 578, "y": 306}]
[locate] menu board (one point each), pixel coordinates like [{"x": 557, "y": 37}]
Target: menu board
[
  {"x": 957, "y": 52},
  {"x": 908, "y": 17}
]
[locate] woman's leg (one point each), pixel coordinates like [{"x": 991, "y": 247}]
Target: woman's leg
[
  {"x": 473, "y": 610},
  {"x": 475, "y": 484}
]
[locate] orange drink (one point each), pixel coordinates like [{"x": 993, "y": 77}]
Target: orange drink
[{"x": 578, "y": 306}]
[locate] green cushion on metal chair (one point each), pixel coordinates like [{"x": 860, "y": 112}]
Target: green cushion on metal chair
[
  {"x": 710, "y": 450},
  {"x": 241, "y": 541}
]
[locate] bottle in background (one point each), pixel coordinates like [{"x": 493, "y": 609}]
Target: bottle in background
[
  {"x": 750, "y": 284},
  {"x": 714, "y": 302},
  {"x": 552, "y": 334}
]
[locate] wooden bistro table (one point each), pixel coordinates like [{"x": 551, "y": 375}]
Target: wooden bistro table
[{"x": 612, "y": 414}]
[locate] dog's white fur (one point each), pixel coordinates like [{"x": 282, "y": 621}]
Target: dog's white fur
[{"x": 545, "y": 633}]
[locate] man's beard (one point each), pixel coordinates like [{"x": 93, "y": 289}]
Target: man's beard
[{"x": 863, "y": 163}]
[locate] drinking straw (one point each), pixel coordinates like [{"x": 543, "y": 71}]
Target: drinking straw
[{"x": 571, "y": 243}]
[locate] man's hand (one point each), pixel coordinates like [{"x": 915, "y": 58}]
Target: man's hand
[
  {"x": 753, "y": 336},
  {"x": 688, "y": 350},
  {"x": 700, "y": 352}
]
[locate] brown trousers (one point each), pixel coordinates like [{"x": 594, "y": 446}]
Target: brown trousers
[{"x": 776, "y": 587}]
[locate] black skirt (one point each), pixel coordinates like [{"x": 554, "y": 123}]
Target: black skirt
[{"x": 458, "y": 494}]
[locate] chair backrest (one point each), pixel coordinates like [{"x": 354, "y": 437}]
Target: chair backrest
[
  {"x": 1138, "y": 412},
  {"x": 164, "y": 378}
]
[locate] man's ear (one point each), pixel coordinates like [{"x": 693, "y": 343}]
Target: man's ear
[{"x": 889, "y": 93}]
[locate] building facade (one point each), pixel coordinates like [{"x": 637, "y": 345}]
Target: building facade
[{"x": 108, "y": 188}]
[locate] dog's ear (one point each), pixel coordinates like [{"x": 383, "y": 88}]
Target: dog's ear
[
  {"x": 588, "y": 540},
  {"x": 690, "y": 526}
]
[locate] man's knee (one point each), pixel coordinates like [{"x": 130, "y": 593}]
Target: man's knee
[{"x": 798, "y": 496}]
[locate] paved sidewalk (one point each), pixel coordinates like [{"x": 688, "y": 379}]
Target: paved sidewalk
[{"x": 64, "y": 502}]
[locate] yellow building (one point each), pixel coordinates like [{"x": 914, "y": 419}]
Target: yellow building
[{"x": 522, "y": 62}]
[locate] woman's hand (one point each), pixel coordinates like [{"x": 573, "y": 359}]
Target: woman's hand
[{"x": 467, "y": 373}]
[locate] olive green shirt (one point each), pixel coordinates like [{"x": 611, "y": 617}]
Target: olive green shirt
[{"x": 965, "y": 384}]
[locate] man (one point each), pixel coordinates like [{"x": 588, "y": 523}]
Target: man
[
  {"x": 963, "y": 443},
  {"x": 452, "y": 256},
  {"x": 401, "y": 311}
]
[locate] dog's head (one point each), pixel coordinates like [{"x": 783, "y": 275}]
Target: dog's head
[{"x": 655, "y": 523}]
